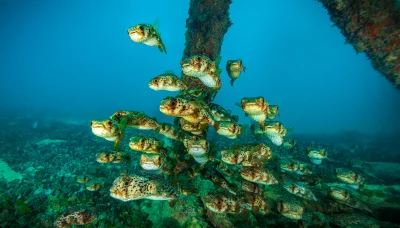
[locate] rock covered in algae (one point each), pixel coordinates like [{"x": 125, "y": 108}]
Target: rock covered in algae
[
  {"x": 372, "y": 27},
  {"x": 8, "y": 173}
]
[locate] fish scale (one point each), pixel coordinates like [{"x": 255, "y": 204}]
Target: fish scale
[{"x": 135, "y": 187}]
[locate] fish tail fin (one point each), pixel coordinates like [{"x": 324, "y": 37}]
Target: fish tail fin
[
  {"x": 162, "y": 48},
  {"x": 232, "y": 81},
  {"x": 238, "y": 104},
  {"x": 244, "y": 69},
  {"x": 243, "y": 131},
  {"x": 235, "y": 118}
]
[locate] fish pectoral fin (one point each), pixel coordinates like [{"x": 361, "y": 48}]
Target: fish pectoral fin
[
  {"x": 244, "y": 213},
  {"x": 244, "y": 129},
  {"x": 172, "y": 203},
  {"x": 255, "y": 210},
  {"x": 116, "y": 144},
  {"x": 218, "y": 72},
  {"x": 218, "y": 60}
]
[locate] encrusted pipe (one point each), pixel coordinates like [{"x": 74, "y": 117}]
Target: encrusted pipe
[
  {"x": 373, "y": 27},
  {"x": 206, "y": 26}
]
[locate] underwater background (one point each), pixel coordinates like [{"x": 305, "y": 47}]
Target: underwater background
[
  {"x": 75, "y": 60},
  {"x": 66, "y": 63}
]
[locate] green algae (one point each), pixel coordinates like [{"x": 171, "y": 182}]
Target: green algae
[
  {"x": 368, "y": 193},
  {"x": 21, "y": 208},
  {"x": 380, "y": 194}
]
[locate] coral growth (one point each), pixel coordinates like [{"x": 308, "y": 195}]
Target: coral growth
[
  {"x": 372, "y": 27},
  {"x": 206, "y": 26}
]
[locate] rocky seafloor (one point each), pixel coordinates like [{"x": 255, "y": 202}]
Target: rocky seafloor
[{"x": 39, "y": 167}]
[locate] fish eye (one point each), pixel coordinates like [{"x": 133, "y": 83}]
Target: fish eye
[
  {"x": 173, "y": 103},
  {"x": 109, "y": 123},
  {"x": 198, "y": 58},
  {"x": 155, "y": 80}
]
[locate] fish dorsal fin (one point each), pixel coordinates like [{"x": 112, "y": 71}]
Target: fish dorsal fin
[
  {"x": 156, "y": 24},
  {"x": 169, "y": 72}
]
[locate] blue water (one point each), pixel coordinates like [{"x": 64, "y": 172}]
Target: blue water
[{"x": 75, "y": 58}]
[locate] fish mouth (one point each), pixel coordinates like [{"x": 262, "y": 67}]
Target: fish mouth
[
  {"x": 150, "y": 166},
  {"x": 274, "y": 180},
  {"x": 99, "y": 131},
  {"x": 251, "y": 106},
  {"x": 134, "y": 147},
  {"x": 225, "y": 131},
  {"x": 226, "y": 160},
  {"x": 135, "y": 36},
  {"x": 96, "y": 127},
  {"x": 96, "y": 124},
  {"x": 211, "y": 208},
  {"x": 164, "y": 109},
  {"x": 210, "y": 204},
  {"x": 197, "y": 149},
  {"x": 102, "y": 161},
  {"x": 245, "y": 175},
  {"x": 152, "y": 86},
  {"x": 185, "y": 67}
]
